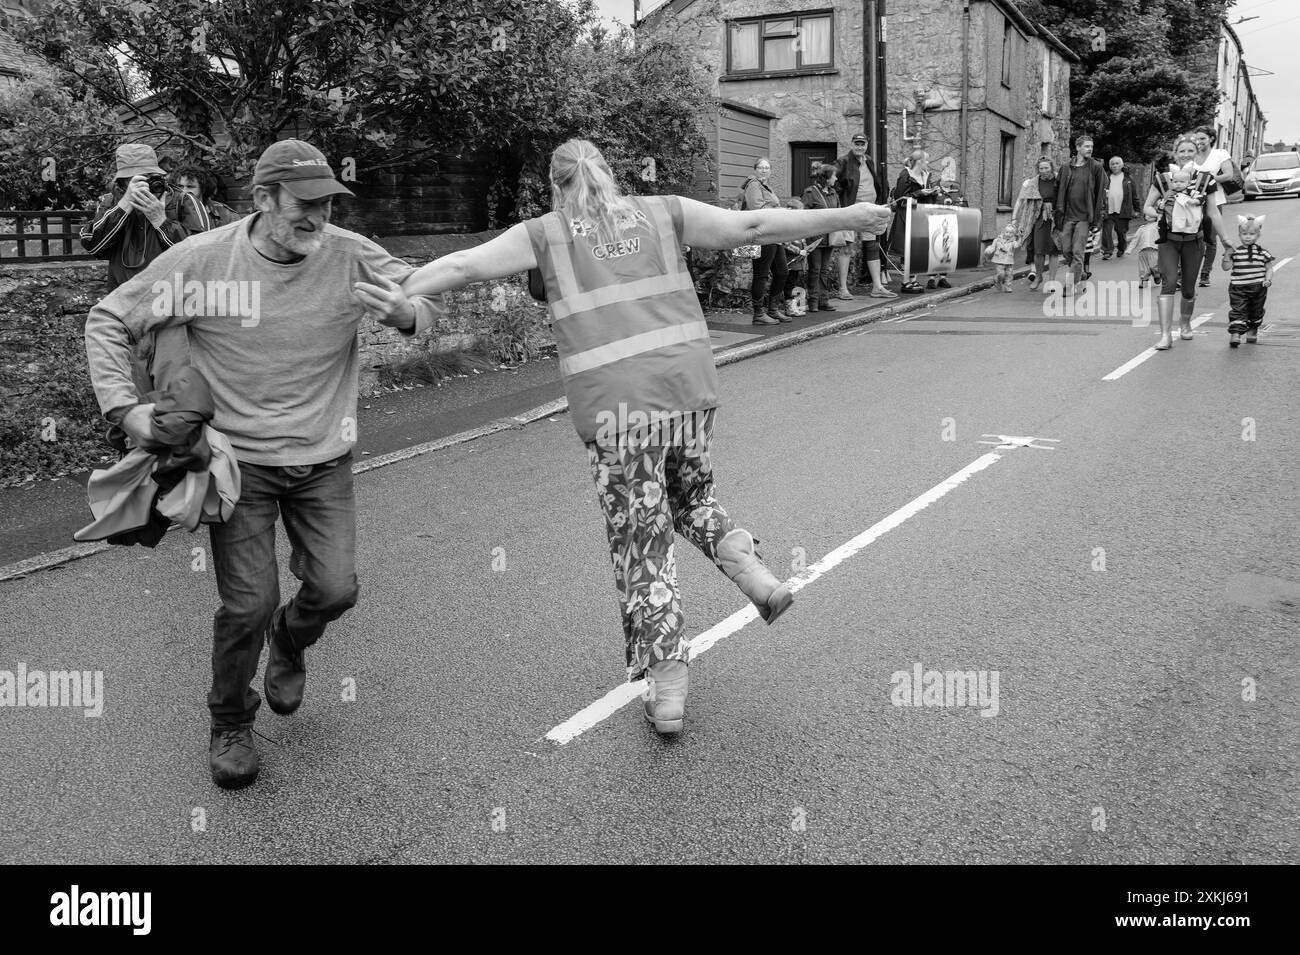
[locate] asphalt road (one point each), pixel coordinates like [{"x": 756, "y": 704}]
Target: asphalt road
[{"x": 1121, "y": 732}]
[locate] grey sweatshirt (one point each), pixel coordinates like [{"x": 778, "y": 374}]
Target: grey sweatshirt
[{"x": 277, "y": 342}]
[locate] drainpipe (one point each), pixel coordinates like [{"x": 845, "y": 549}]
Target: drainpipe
[
  {"x": 965, "y": 88},
  {"x": 870, "y": 96},
  {"x": 882, "y": 93}
]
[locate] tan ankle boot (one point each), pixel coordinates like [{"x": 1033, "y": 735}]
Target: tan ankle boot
[
  {"x": 665, "y": 695},
  {"x": 741, "y": 564},
  {"x": 1165, "y": 305}
]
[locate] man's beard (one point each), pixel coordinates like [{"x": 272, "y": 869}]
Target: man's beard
[{"x": 299, "y": 243}]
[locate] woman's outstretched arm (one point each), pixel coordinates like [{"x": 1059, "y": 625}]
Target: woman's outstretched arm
[
  {"x": 708, "y": 227},
  {"x": 508, "y": 254}
]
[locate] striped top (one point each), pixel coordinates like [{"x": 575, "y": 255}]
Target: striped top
[{"x": 1248, "y": 262}]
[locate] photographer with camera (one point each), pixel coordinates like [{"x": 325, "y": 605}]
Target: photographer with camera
[
  {"x": 140, "y": 217},
  {"x": 132, "y": 225}
]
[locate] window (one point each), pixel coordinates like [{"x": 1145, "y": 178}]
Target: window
[
  {"x": 1008, "y": 36},
  {"x": 1007, "y": 170},
  {"x": 780, "y": 44}
]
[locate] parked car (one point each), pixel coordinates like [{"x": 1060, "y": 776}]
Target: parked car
[{"x": 1273, "y": 174}]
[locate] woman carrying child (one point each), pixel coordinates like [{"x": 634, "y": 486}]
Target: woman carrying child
[{"x": 1180, "y": 211}]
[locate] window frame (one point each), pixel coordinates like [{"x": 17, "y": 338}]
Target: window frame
[
  {"x": 1008, "y": 33},
  {"x": 801, "y": 68},
  {"x": 1006, "y": 170}
]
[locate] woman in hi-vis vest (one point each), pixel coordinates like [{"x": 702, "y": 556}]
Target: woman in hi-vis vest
[{"x": 638, "y": 371}]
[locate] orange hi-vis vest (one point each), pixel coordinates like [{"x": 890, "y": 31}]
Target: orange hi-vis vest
[{"x": 634, "y": 348}]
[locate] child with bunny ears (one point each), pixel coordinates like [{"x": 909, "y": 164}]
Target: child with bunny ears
[{"x": 1252, "y": 273}]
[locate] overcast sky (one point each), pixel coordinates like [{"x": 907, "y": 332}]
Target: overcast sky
[{"x": 1269, "y": 43}]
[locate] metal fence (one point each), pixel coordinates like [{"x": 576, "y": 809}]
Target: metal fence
[{"x": 48, "y": 235}]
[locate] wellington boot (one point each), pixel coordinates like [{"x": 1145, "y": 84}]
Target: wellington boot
[
  {"x": 665, "y": 695},
  {"x": 740, "y": 563},
  {"x": 1165, "y": 305},
  {"x": 1186, "y": 307}
]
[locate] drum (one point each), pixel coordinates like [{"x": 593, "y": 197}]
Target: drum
[{"x": 937, "y": 239}]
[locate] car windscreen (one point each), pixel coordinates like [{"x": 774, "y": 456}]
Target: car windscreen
[{"x": 1279, "y": 161}]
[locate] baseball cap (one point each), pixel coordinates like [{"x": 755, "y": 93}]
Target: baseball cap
[
  {"x": 136, "y": 159},
  {"x": 859, "y": 138},
  {"x": 300, "y": 168}
]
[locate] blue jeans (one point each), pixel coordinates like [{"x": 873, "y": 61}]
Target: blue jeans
[{"x": 320, "y": 516}]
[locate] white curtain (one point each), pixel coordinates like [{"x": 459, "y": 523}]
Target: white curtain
[
  {"x": 744, "y": 46},
  {"x": 816, "y": 42}
]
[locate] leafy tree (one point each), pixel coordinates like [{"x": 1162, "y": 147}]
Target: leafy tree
[
  {"x": 1147, "y": 70},
  {"x": 55, "y": 147},
  {"x": 388, "y": 84},
  {"x": 1137, "y": 106}
]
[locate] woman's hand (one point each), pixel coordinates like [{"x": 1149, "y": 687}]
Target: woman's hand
[{"x": 869, "y": 217}]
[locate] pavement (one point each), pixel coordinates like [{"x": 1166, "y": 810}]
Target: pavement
[{"x": 971, "y": 487}]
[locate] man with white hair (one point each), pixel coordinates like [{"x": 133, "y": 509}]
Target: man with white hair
[{"x": 271, "y": 304}]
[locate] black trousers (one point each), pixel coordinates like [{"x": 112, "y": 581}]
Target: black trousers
[
  {"x": 769, "y": 272},
  {"x": 1114, "y": 233},
  {"x": 1246, "y": 307},
  {"x": 820, "y": 260}
]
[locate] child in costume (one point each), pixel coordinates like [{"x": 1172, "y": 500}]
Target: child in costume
[{"x": 1252, "y": 273}]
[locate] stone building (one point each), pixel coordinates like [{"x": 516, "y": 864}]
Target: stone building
[{"x": 789, "y": 86}]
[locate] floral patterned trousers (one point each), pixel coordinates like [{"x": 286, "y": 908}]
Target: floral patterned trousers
[{"x": 646, "y": 491}]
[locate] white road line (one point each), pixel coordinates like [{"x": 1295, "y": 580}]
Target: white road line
[
  {"x": 620, "y": 696},
  {"x": 1132, "y": 363}
]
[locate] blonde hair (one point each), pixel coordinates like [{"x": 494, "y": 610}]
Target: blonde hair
[{"x": 583, "y": 188}]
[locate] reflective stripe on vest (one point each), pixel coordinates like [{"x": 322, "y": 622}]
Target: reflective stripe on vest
[
  {"x": 635, "y": 345},
  {"x": 603, "y": 315}
]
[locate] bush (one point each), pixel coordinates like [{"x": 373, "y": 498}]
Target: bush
[{"x": 62, "y": 397}]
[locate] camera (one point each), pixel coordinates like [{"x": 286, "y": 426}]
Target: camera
[{"x": 158, "y": 185}]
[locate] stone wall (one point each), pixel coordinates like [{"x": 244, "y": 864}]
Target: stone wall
[{"x": 43, "y": 310}]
